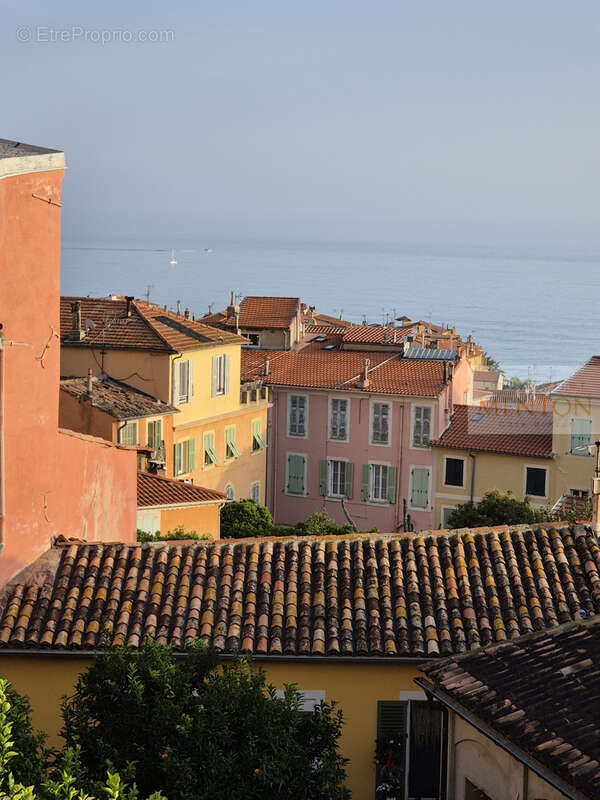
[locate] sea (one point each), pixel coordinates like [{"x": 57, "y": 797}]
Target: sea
[{"x": 534, "y": 312}]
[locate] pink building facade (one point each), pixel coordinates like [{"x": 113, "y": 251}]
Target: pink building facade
[{"x": 361, "y": 450}]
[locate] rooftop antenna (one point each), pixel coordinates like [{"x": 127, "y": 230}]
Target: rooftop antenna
[{"x": 149, "y": 287}]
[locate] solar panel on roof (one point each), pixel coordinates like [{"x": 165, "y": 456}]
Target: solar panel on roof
[{"x": 430, "y": 354}]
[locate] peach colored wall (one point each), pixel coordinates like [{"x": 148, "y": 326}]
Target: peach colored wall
[
  {"x": 82, "y": 416},
  {"x": 46, "y": 480},
  {"x": 202, "y": 519},
  {"x": 147, "y": 371}
]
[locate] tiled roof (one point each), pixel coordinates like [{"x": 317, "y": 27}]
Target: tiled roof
[
  {"x": 118, "y": 399},
  {"x": 323, "y": 330},
  {"x": 147, "y": 327},
  {"x": 376, "y": 334},
  {"x": 360, "y": 595},
  {"x": 10, "y": 149},
  {"x": 326, "y": 319},
  {"x": 579, "y": 505},
  {"x": 542, "y": 694},
  {"x": 583, "y": 383},
  {"x": 314, "y": 367},
  {"x": 154, "y": 490},
  {"x": 260, "y": 312},
  {"x": 484, "y": 375},
  {"x": 518, "y": 432}
]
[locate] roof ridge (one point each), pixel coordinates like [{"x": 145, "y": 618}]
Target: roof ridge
[{"x": 144, "y": 319}]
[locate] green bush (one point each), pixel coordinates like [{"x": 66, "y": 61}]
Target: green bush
[
  {"x": 177, "y": 533},
  {"x": 241, "y": 519},
  {"x": 195, "y": 730},
  {"x": 497, "y": 508},
  {"x": 29, "y": 762}
]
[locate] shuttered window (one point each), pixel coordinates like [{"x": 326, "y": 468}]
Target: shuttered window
[
  {"x": 392, "y": 725},
  {"x": 380, "y": 432},
  {"x": 419, "y": 493},
  {"x": 255, "y": 493},
  {"x": 155, "y": 434},
  {"x": 220, "y": 375},
  {"x": 581, "y": 436},
  {"x": 338, "y": 419},
  {"x": 378, "y": 483},
  {"x": 231, "y": 448},
  {"x": 210, "y": 455},
  {"x": 422, "y": 426},
  {"x": 129, "y": 433},
  {"x": 183, "y": 381},
  {"x": 296, "y": 469},
  {"x": 297, "y": 415},
  {"x": 258, "y": 442},
  {"x": 184, "y": 459}
]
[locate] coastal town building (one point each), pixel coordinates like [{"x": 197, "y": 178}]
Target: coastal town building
[
  {"x": 522, "y": 716},
  {"x": 273, "y": 323},
  {"x": 347, "y": 618},
  {"x": 52, "y": 481},
  {"x": 489, "y": 447},
  {"x": 351, "y": 431},
  {"x": 219, "y": 435}
]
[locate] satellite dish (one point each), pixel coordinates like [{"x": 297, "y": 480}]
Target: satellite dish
[{"x": 89, "y": 325}]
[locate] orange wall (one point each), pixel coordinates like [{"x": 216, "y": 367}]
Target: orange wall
[
  {"x": 51, "y": 487},
  {"x": 82, "y": 416},
  {"x": 202, "y": 519}
]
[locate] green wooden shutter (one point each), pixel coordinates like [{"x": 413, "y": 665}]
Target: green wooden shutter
[
  {"x": 581, "y": 430},
  {"x": 191, "y": 455},
  {"x": 226, "y": 371},
  {"x": 349, "y": 480},
  {"x": 215, "y": 367},
  {"x": 365, "y": 487},
  {"x": 391, "y": 484},
  {"x": 175, "y": 383},
  {"x": 176, "y": 459},
  {"x": 420, "y": 486},
  {"x": 296, "y": 474},
  {"x": 323, "y": 477}
]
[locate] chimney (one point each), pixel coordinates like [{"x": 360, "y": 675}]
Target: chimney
[
  {"x": 364, "y": 381},
  {"x": 179, "y": 308},
  {"x": 395, "y": 336},
  {"x": 385, "y": 336},
  {"x": 186, "y": 313},
  {"x": 165, "y": 307},
  {"x": 267, "y": 366},
  {"x": 445, "y": 372},
  {"x": 232, "y": 309},
  {"x": 89, "y": 382},
  {"x": 237, "y": 321},
  {"x": 76, "y": 334},
  {"x": 311, "y": 315},
  {"x": 129, "y": 299}
]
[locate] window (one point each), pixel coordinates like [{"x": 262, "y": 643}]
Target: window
[
  {"x": 378, "y": 483},
  {"x": 296, "y": 474},
  {"x": 422, "y": 426},
  {"x": 253, "y": 396},
  {"x": 128, "y": 434},
  {"x": 581, "y": 436},
  {"x": 253, "y": 339},
  {"x": 454, "y": 474},
  {"x": 220, "y": 375},
  {"x": 535, "y": 481},
  {"x": 210, "y": 456},
  {"x": 309, "y": 700},
  {"x": 446, "y": 513},
  {"x": 336, "y": 478},
  {"x": 155, "y": 434},
  {"x": 338, "y": 419},
  {"x": 183, "y": 382},
  {"x": 580, "y": 493},
  {"x": 297, "y": 415},
  {"x": 263, "y": 393},
  {"x": 183, "y": 457},
  {"x": 229, "y": 492},
  {"x": 255, "y": 493},
  {"x": 258, "y": 443},
  {"x": 380, "y": 427},
  {"x": 419, "y": 493},
  {"x": 231, "y": 448},
  {"x": 244, "y": 397}
]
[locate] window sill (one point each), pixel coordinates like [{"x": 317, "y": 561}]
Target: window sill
[
  {"x": 453, "y": 486},
  {"x": 380, "y": 444}
]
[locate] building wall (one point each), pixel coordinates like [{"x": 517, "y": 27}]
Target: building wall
[
  {"x": 492, "y": 471},
  {"x": 273, "y": 339},
  {"x": 45, "y": 476},
  {"x": 239, "y": 473},
  {"x": 289, "y": 509},
  {"x": 80, "y": 415},
  {"x": 497, "y": 773},
  {"x": 200, "y": 519},
  {"x": 47, "y": 679},
  {"x": 573, "y": 471}
]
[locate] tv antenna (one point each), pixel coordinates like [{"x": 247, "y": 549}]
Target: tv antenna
[{"x": 149, "y": 287}]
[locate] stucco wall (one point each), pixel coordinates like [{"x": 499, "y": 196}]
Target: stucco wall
[
  {"x": 574, "y": 471},
  {"x": 201, "y": 519},
  {"x": 80, "y": 415},
  {"x": 46, "y": 679},
  {"x": 492, "y": 769}
]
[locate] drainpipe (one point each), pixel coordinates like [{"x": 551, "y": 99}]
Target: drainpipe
[
  {"x": 2, "y": 471},
  {"x": 596, "y": 492},
  {"x": 472, "y": 456}
]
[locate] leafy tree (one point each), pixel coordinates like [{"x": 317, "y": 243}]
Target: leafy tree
[
  {"x": 244, "y": 518},
  {"x": 29, "y": 759},
  {"x": 178, "y": 532},
  {"x": 496, "y": 508},
  {"x": 195, "y": 730},
  {"x": 491, "y": 363},
  {"x": 320, "y": 524}
]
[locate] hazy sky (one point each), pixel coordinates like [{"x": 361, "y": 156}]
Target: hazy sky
[{"x": 468, "y": 122}]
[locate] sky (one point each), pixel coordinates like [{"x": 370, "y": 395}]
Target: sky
[{"x": 461, "y": 122}]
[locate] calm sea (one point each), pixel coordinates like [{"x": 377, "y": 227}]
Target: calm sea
[{"x": 537, "y": 314}]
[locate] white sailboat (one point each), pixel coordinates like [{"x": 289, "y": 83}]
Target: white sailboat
[{"x": 173, "y": 260}]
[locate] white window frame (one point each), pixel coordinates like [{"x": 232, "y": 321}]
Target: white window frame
[
  {"x": 455, "y": 485},
  {"x": 287, "y": 474},
  {"x": 330, "y": 400},
  {"x": 330, "y": 479},
  {"x": 289, "y": 415},
  {"x": 387, "y": 465},
  {"x": 443, "y": 509},
  {"x": 255, "y": 485},
  {"x": 232, "y": 498},
  {"x": 535, "y": 497},
  {"x": 184, "y": 397},
  {"x": 311, "y": 698},
  {"x": 388, "y": 403},
  {"x": 413, "y": 414},
  {"x": 134, "y": 423},
  {"x": 246, "y": 334},
  {"x": 429, "y": 494},
  {"x": 221, "y": 360}
]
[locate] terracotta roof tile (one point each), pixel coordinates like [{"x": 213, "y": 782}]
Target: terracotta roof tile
[
  {"x": 116, "y": 398},
  {"x": 583, "y": 383},
  {"x": 361, "y": 595},
  {"x": 517, "y": 431},
  {"x": 154, "y": 490},
  {"x": 260, "y": 312},
  {"x": 541, "y": 693},
  {"x": 181, "y": 333}
]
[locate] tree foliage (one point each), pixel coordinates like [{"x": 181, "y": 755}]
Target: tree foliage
[
  {"x": 497, "y": 508},
  {"x": 192, "y": 730},
  {"x": 244, "y": 518}
]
